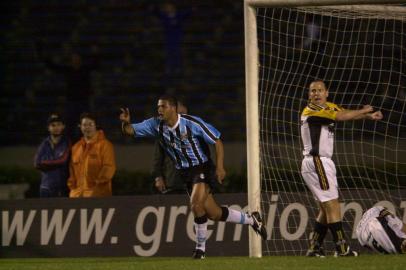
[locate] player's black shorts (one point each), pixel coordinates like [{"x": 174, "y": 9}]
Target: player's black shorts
[{"x": 204, "y": 173}]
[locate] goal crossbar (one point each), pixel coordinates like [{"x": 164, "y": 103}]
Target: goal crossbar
[{"x": 302, "y": 3}]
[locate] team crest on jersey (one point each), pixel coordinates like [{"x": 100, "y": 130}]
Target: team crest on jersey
[{"x": 202, "y": 176}]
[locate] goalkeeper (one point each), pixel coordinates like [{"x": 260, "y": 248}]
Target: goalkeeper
[
  {"x": 318, "y": 169},
  {"x": 381, "y": 231},
  {"x": 185, "y": 139}
]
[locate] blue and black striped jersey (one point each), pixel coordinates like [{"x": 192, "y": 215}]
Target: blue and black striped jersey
[{"x": 186, "y": 142}]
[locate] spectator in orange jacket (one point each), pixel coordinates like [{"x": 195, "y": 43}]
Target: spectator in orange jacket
[{"x": 92, "y": 165}]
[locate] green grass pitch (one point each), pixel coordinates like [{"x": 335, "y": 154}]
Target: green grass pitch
[{"x": 367, "y": 262}]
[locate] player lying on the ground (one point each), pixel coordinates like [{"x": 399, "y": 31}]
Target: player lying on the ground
[{"x": 382, "y": 231}]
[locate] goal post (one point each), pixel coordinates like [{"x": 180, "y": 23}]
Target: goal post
[
  {"x": 253, "y": 157},
  {"x": 256, "y": 103}
]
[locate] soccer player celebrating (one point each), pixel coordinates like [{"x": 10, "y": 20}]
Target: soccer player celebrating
[
  {"x": 382, "y": 231},
  {"x": 318, "y": 170},
  {"x": 185, "y": 138}
]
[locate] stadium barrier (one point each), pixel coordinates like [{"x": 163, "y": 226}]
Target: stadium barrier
[{"x": 159, "y": 225}]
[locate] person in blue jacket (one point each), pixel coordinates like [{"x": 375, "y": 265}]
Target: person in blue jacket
[{"x": 52, "y": 159}]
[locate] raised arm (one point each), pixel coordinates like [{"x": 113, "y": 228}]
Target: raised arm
[
  {"x": 371, "y": 116},
  {"x": 365, "y": 113},
  {"x": 220, "y": 172},
  {"x": 126, "y": 121}
]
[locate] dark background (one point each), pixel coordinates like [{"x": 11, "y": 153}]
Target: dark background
[{"x": 128, "y": 41}]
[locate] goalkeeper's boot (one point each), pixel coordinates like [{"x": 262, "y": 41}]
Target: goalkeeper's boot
[
  {"x": 348, "y": 253},
  {"x": 316, "y": 252},
  {"x": 258, "y": 225},
  {"x": 199, "y": 254}
]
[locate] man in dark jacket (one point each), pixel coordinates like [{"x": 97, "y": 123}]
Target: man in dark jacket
[
  {"x": 52, "y": 159},
  {"x": 167, "y": 179}
]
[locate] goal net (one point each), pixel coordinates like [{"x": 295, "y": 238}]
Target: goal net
[{"x": 359, "y": 51}]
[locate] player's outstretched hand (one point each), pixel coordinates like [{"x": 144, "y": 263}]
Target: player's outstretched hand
[
  {"x": 367, "y": 108},
  {"x": 125, "y": 115},
  {"x": 220, "y": 173},
  {"x": 376, "y": 115}
]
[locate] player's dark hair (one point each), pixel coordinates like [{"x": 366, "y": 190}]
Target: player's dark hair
[
  {"x": 319, "y": 80},
  {"x": 173, "y": 101}
]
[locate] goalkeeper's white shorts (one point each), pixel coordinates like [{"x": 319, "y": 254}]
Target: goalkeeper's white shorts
[
  {"x": 380, "y": 232},
  {"x": 319, "y": 173}
]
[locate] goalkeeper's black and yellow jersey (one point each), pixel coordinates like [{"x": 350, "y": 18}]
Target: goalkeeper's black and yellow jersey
[{"x": 317, "y": 129}]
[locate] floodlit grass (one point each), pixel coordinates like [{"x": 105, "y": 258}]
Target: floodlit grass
[{"x": 370, "y": 262}]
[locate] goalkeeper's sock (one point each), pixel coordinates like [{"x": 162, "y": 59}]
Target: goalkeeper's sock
[
  {"x": 319, "y": 233},
  {"x": 338, "y": 237},
  {"x": 234, "y": 216},
  {"x": 201, "y": 232}
]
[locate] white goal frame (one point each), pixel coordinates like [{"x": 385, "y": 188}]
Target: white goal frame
[{"x": 251, "y": 84}]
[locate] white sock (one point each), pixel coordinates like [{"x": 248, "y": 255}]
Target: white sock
[
  {"x": 201, "y": 236},
  {"x": 235, "y": 216}
]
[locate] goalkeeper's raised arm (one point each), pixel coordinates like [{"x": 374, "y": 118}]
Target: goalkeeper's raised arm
[{"x": 367, "y": 112}]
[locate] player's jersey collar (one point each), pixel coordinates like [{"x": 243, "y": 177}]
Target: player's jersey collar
[
  {"x": 176, "y": 125},
  {"x": 316, "y": 107}
]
